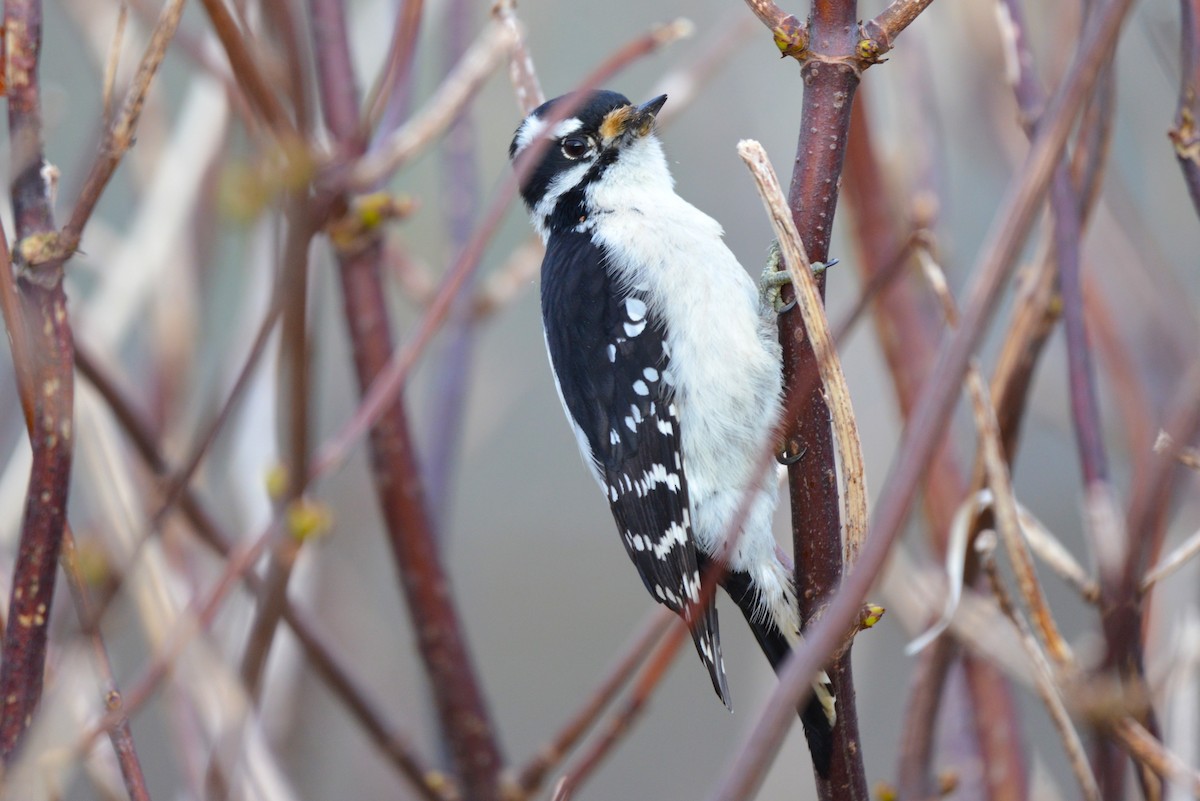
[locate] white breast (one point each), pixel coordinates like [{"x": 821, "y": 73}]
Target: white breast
[{"x": 724, "y": 356}]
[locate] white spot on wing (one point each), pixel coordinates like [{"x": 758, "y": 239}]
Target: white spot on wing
[
  {"x": 650, "y": 373},
  {"x": 636, "y": 308},
  {"x": 633, "y": 329},
  {"x": 640, "y": 387}
]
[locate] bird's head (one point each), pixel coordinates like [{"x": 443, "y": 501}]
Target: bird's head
[{"x": 603, "y": 129}]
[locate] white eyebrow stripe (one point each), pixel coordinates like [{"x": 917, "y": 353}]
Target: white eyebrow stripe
[
  {"x": 567, "y": 127},
  {"x": 533, "y": 127}
]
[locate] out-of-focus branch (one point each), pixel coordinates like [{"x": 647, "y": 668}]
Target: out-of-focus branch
[
  {"x": 1185, "y": 136},
  {"x": 119, "y": 733},
  {"x": 458, "y": 695},
  {"x": 932, "y": 410},
  {"x": 452, "y": 95},
  {"x": 322, "y": 656},
  {"x": 1147, "y": 750},
  {"x": 119, "y": 136},
  {"x": 686, "y": 82},
  {"x": 200, "y": 616},
  {"x": 246, "y": 71},
  {"x": 46, "y": 377},
  {"x": 388, "y": 102},
  {"x": 521, "y": 72},
  {"x": 903, "y": 321},
  {"x": 1172, "y": 562},
  {"x": 1151, "y": 492},
  {"x": 909, "y": 337},
  {"x": 1006, "y": 513},
  {"x": 294, "y": 342},
  {"x": 452, "y": 365},
  {"x": 283, "y": 22},
  {"x": 1043, "y": 680}
]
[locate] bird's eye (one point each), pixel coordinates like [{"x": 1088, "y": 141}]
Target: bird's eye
[{"x": 575, "y": 148}]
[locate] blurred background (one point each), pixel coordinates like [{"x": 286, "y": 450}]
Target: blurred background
[{"x": 173, "y": 281}]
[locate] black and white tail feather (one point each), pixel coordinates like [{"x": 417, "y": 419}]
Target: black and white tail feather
[{"x": 667, "y": 366}]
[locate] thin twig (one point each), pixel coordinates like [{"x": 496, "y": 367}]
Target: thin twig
[
  {"x": 389, "y": 100},
  {"x": 245, "y": 69},
  {"x": 813, "y": 311},
  {"x": 198, "y": 620},
  {"x": 120, "y": 135},
  {"x": 111, "y": 63},
  {"x": 477, "y": 66},
  {"x": 883, "y": 30},
  {"x": 120, "y": 733},
  {"x": 294, "y": 341},
  {"x": 452, "y": 366},
  {"x": 1004, "y": 505},
  {"x": 1043, "y": 681},
  {"x": 521, "y": 72},
  {"x": 1172, "y": 562},
  {"x": 1146, "y": 749}
]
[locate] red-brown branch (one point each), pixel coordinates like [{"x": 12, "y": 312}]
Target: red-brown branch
[
  {"x": 829, "y": 85},
  {"x": 48, "y": 378},
  {"x": 441, "y": 642}
]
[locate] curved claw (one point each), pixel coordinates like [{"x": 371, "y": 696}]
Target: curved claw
[{"x": 789, "y": 459}]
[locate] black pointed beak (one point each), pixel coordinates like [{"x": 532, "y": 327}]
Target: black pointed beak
[
  {"x": 651, "y": 107},
  {"x": 641, "y": 121}
]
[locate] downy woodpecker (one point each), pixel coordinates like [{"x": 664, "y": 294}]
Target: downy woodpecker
[{"x": 667, "y": 365}]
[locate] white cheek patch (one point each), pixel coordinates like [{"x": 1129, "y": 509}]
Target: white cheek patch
[{"x": 533, "y": 127}]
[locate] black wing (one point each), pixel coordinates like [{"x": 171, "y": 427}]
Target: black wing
[{"x": 614, "y": 377}]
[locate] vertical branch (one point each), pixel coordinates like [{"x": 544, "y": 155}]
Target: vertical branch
[
  {"x": 47, "y": 332},
  {"x": 829, "y": 85},
  {"x": 294, "y": 339},
  {"x": 459, "y": 698}
]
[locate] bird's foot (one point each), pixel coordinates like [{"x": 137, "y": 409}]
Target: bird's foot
[{"x": 776, "y": 276}]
